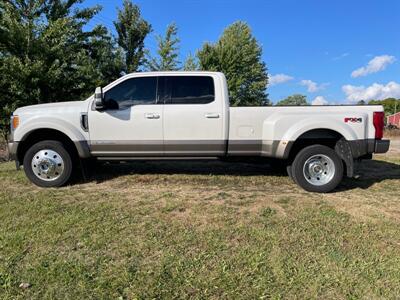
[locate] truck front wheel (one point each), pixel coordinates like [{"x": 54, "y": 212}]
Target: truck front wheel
[
  {"x": 48, "y": 164},
  {"x": 317, "y": 168}
]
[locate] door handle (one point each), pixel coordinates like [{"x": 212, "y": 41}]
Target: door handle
[
  {"x": 212, "y": 115},
  {"x": 151, "y": 116}
]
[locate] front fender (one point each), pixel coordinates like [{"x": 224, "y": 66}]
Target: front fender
[
  {"x": 67, "y": 128},
  {"x": 48, "y": 123}
]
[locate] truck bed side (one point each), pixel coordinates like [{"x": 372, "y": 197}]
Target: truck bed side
[{"x": 271, "y": 131}]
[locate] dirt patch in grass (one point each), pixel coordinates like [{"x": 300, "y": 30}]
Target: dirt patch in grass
[{"x": 392, "y": 133}]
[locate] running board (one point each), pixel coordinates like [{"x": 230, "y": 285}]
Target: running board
[{"x": 124, "y": 158}]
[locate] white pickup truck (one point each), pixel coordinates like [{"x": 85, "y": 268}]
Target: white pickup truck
[{"x": 187, "y": 114}]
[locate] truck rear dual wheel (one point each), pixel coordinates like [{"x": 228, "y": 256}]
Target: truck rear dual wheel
[
  {"x": 317, "y": 168},
  {"x": 48, "y": 164}
]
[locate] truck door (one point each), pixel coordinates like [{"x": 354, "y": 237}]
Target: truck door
[
  {"x": 193, "y": 116},
  {"x": 131, "y": 124}
]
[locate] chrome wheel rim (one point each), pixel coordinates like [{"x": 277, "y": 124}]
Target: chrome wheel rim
[
  {"x": 319, "y": 169},
  {"x": 47, "y": 165}
]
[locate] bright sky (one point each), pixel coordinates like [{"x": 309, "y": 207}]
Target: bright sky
[{"x": 332, "y": 51}]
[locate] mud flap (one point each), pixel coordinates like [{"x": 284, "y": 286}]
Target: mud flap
[
  {"x": 84, "y": 169},
  {"x": 87, "y": 166},
  {"x": 343, "y": 149}
]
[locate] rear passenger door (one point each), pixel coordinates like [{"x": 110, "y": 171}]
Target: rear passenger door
[{"x": 193, "y": 116}]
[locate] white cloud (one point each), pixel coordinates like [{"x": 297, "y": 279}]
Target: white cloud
[
  {"x": 343, "y": 55},
  {"x": 312, "y": 86},
  {"x": 378, "y": 63},
  {"x": 374, "y": 91},
  {"x": 279, "y": 78},
  {"x": 319, "y": 100}
]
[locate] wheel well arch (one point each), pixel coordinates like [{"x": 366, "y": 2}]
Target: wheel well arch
[
  {"x": 322, "y": 136},
  {"x": 43, "y": 134}
]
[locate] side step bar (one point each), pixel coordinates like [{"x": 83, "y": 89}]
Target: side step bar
[{"x": 124, "y": 158}]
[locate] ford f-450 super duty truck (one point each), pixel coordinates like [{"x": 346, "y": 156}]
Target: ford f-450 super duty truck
[{"x": 187, "y": 114}]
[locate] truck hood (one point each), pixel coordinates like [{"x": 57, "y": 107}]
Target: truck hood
[{"x": 56, "y": 107}]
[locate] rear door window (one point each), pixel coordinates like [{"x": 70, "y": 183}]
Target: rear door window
[{"x": 190, "y": 89}]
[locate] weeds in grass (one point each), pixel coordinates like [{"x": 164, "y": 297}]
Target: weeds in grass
[{"x": 175, "y": 231}]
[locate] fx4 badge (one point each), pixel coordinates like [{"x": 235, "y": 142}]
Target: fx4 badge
[{"x": 353, "y": 120}]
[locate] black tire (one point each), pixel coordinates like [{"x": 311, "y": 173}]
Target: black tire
[
  {"x": 60, "y": 149},
  {"x": 313, "y": 151}
]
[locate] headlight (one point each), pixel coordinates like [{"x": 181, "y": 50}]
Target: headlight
[{"x": 14, "y": 122}]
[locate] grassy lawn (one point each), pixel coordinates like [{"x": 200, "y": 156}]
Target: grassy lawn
[{"x": 200, "y": 230}]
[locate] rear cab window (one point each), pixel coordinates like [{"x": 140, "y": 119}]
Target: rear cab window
[{"x": 188, "y": 89}]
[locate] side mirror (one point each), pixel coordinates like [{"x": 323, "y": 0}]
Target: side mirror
[{"x": 98, "y": 98}]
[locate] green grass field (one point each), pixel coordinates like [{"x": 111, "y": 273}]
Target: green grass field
[{"x": 200, "y": 230}]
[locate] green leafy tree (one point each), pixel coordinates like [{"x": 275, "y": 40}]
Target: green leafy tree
[
  {"x": 295, "y": 100},
  {"x": 132, "y": 30},
  {"x": 238, "y": 55},
  {"x": 167, "y": 52},
  {"x": 191, "y": 63},
  {"x": 390, "y": 105},
  {"x": 361, "y": 102},
  {"x": 46, "y": 56}
]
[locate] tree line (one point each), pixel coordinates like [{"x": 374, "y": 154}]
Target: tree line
[
  {"x": 390, "y": 105},
  {"x": 50, "y": 52}
]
